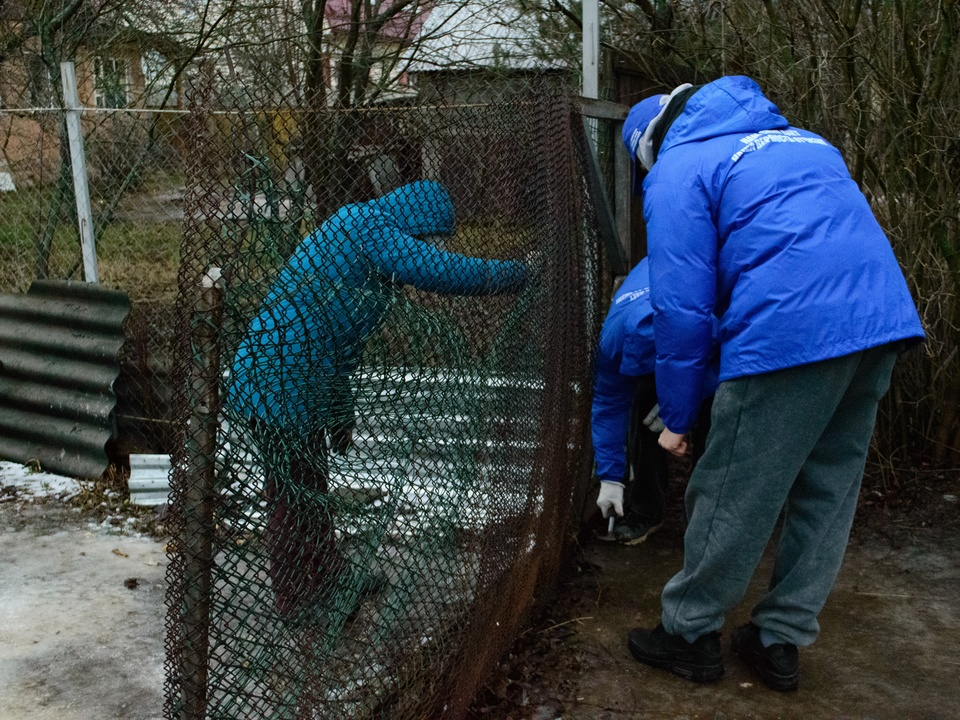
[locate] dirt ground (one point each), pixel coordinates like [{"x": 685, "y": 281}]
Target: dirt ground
[
  {"x": 889, "y": 644},
  {"x": 81, "y": 621}
]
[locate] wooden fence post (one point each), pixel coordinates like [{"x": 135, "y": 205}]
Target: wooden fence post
[{"x": 198, "y": 530}]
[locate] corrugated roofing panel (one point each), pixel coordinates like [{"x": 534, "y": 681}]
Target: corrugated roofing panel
[
  {"x": 58, "y": 362},
  {"x": 149, "y": 480}
]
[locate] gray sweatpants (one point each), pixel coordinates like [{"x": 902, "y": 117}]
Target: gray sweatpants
[{"x": 795, "y": 441}]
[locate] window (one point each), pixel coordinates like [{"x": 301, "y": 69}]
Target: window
[{"x": 111, "y": 82}]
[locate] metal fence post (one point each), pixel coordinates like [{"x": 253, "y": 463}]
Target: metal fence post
[
  {"x": 614, "y": 222},
  {"x": 78, "y": 163},
  {"x": 198, "y": 528}
]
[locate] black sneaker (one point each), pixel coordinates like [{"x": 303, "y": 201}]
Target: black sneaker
[
  {"x": 776, "y": 665},
  {"x": 633, "y": 532},
  {"x": 700, "y": 661}
]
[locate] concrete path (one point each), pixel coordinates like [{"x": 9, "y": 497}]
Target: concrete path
[{"x": 81, "y": 618}]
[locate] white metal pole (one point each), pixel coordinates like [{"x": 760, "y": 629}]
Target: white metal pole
[
  {"x": 591, "y": 48},
  {"x": 81, "y": 189},
  {"x": 591, "y": 89},
  {"x": 591, "y": 61}
]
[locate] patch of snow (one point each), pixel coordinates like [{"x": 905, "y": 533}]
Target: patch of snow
[{"x": 38, "y": 484}]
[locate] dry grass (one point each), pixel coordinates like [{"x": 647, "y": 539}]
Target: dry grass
[
  {"x": 106, "y": 500},
  {"x": 139, "y": 256}
]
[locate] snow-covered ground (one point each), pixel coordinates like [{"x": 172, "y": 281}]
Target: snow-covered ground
[
  {"x": 37, "y": 483},
  {"x": 81, "y": 608}
]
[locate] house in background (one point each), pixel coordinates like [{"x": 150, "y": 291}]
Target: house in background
[
  {"x": 114, "y": 69},
  {"x": 454, "y": 53},
  {"x": 378, "y": 45},
  {"x": 480, "y": 52},
  {"x": 473, "y": 53}
]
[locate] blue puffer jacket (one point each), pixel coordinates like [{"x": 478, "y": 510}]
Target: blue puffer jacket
[
  {"x": 626, "y": 351},
  {"x": 332, "y": 294},
  {"x": 760, "y": 224}
]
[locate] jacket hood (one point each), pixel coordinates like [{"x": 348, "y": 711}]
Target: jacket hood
[
  {"x": 419, "y": 208},
  {"x": 733, "y": 104}
]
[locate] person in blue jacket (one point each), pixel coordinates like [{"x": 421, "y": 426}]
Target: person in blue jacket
[
  {"x": 760, "y": 224},
  {"x": 625, "y": 424},
  {"x": 290, "y": 376}
]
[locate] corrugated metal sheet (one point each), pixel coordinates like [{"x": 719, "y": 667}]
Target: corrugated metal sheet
[
  {"x": 59, "y": 346},
  {"x": 149, "y": 480}
]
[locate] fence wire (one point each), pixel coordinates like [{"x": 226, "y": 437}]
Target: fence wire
[
  {"x": 134, "y": 159},
  {"x": 383, "y": 382}
]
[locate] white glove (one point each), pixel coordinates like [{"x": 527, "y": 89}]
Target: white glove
[
  {"x": 653, "y": 421},
  {"x": 610, "y": 498}
]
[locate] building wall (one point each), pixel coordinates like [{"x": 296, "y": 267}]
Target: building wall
[{"x": 30, "y": 122}]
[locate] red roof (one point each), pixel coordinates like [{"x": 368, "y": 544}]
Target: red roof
[{"x": 405, "y": 25}]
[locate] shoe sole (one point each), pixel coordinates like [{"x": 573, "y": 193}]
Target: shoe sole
[
  {"x": 773, "y": 680},
  {"x": 642, "y": 538},
  {"x": 688, "y": 671}
]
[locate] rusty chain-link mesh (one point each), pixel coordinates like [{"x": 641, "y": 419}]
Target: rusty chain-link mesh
[
  {"x": 385, "y": 386},
  {"x": 134, "y": 164}
]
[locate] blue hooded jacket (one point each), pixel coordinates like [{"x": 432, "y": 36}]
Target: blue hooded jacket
[
  {"x": 626, "y": 351},
  {"x": 760, "y": 224},
  {"x": 333, "y": 293}
]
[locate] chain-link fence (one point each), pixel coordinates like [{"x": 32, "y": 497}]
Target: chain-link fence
[
  {"x": 134, "y": 159},
  {"x": 384, "y": 383}
]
